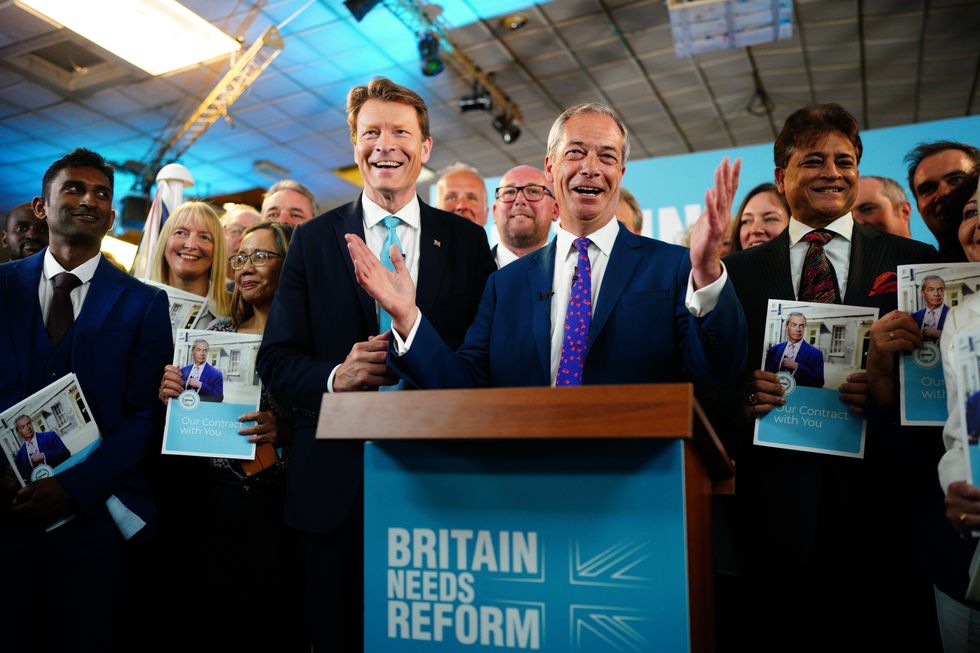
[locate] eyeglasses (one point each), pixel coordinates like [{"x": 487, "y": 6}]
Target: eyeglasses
[
  {"x": 259, "y": 258},
  {"x": 234, "y": 230},
  {"x": 532, "y": 193}
]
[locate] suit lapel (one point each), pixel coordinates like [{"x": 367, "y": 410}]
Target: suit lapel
[
  {"x": 350, "y": 220},
  {"x": 619, "y": 270},
  {"x": 541, "y": 277},
  {"x": 778, "y": 272},
  {"x": 864, "y": 261},
  {"x": 432, "y": 256},
  {"x": 103, "y": 293},
  {"x": 22, "y": 292}
]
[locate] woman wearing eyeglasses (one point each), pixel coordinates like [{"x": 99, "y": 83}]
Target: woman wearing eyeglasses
[{"x": 226, "y": 515}]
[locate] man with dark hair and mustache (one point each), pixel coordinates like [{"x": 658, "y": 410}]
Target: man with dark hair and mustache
[
  {"x": 23, "y": 232},
  {"x": 805, "y": 525},
  {"x": 71, "y": 311},
  {"x": 523, "y": 211}
]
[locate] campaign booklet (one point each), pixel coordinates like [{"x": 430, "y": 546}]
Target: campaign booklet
[
  {"x": 927, "y": 293},
  {"x": 812, "y": 348},
  {"x": 48, "y": 432},
  {"x": 186, "y": 309},
  {"x": 966, "y": 363},
  {"x": 220, "y": 383}
]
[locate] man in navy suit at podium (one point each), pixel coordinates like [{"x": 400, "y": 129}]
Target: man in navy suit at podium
[{"x": 599, "y": 305}]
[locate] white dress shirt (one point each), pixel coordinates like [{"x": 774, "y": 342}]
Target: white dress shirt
[
  {"x": 699, "y": 302},
  {"x": 503, "y": 256},
  {"x": 195, "y": 372},
  {"x": 838, "y": 250},
  {"x": 789, "y": 354},
  {"x": 45, "y": 289},
  {"x": 409, "y": 235}
]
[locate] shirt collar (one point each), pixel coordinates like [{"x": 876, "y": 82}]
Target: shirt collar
[
  {"x": 842, "y": 227},
  {"x": 504, "y": 255},
  {"x": 84, "y": 272},
  {"x": 373, "y": 214},
  {"x": 604, "y": 238}
]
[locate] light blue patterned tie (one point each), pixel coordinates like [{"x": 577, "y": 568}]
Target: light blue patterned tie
[
  {"x": 391, "y": 238},
  {"x": 578, "y": 319}
]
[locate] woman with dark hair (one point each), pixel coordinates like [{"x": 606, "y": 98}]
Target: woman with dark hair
[
  {"x": 225, "y": 518},
  {"x": 762, "y": 216}
]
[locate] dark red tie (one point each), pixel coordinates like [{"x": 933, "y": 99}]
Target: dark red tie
[
  {"x": 61, "y": 315},
  {"x": 817, "y": 283}
]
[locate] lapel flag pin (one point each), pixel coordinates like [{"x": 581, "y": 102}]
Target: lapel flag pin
[{"x": 436, "y": 243}]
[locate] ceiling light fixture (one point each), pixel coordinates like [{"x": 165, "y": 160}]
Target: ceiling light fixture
[
  {"x": 429, "y": 53},
  {"x": 360, "y": 8},
  {"x": 513, "y": 22},
  {"x": 159, "y": 36},
  {"x": 478, "y": 100},
  {"x": 509, "y": 128}
]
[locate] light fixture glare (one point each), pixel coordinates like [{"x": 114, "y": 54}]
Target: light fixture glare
[{"x": 159, "y": 36}]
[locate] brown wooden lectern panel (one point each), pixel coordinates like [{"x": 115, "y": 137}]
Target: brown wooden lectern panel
[{"x": 664, "y": 411}]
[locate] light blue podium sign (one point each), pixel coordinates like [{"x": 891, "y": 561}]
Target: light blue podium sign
[
  {"x": 551, "y": 546},
  {"x": 534, "y": 519}
]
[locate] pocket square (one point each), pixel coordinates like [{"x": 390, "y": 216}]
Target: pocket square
[{"x": 885, "y": 283}]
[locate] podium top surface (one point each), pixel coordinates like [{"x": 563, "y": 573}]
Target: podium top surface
[{"x": 606, "y": 411}]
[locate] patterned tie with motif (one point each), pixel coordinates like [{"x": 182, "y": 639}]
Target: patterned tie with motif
[
  {"x": 61, "y": 315},
  {"x": 817, "y": 283},
  {"x": 578, "y": 319},
  {"x": 391, "y": 238}
]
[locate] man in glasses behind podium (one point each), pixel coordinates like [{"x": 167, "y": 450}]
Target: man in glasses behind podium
[{"x": 523, "y": 211}]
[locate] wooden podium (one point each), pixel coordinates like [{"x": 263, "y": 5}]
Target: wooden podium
[{"x": 615, "y": 416}]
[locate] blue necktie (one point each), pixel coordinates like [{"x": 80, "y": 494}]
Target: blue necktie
[
  {"x": 578, "y": 319},
  {"x": 391, "y": 238}
]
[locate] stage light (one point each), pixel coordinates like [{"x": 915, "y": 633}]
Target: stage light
[
  {"x": 478, "y": 100},
  {"x": 360, "y": 8},
  {"x": 508, "y": 128},
  {"x": 429, "y": 53}
]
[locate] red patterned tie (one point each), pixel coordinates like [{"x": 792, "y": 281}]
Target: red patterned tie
[
  {"x": 578, "y": 319},
  {"x": 817, "y": 283}
]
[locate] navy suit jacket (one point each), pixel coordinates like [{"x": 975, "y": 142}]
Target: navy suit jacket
[
  {"x": 920, "y": 315},
  {"x": 641, "y": 332},
  {"x": 809, "y": 361},
  {"x": 320, "y": 312},
  {"x": 794, "y": 509},
  {"x": 48, "y": 443},
  {"x": 212, "y": 382},
  {"x": 120, "y": 342}
]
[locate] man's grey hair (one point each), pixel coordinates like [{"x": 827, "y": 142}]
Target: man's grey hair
[
  {"x": 194, "y": 344},
  {"x": 798, "y": 314},
  {"x": 459, "y": 166},
  {"x": 892, "y": 190},
  {"x": 558, "y": 128},
  {"x": 24, "y": 416},
  {"x": 290, "y": 184},
  {"x": 933, "y": 277}
]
